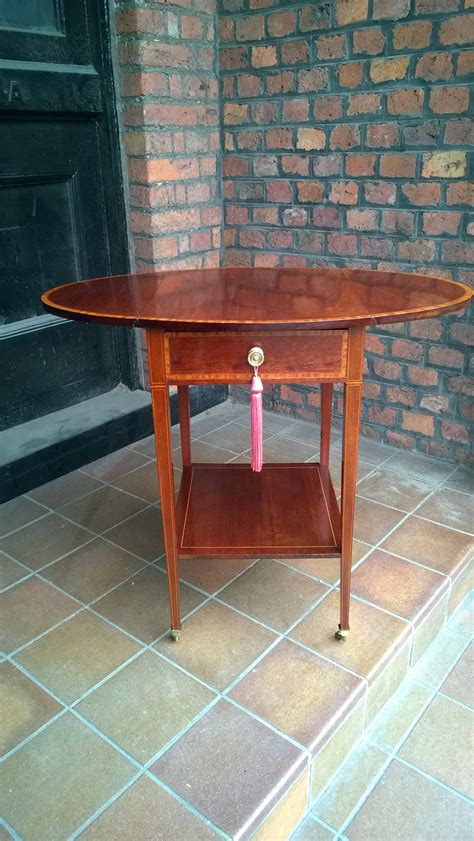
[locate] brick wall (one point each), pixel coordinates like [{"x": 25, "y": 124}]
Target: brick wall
[{"x": 345, "y": 142}]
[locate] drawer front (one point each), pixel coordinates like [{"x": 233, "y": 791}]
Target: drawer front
[{"x": 289, "y": 356}]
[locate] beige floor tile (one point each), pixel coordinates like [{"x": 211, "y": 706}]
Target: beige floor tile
[
  {"x": 394, "y": 489},
  {"x": 281, "y": 449},
  {"x": 206, "y": 422},
  {"x": 287, "y": 815},
  {"x": 397, "y": 585},
  {"x": 92, "y": 570},
  {"x": 429, "y": 628},
  {"x": 461, "y": 480},
  {"x": 141, "y": 605},
  {"x": 372, "y": 521},
  {"x": 373, "y": 638},
  {"x": 25, "y": 707},
  {"x": 430, "y": 544},
  {"x": 462, "y": 621},
  {"x": 370, "y": 451},
  {"x": 425, "y": 468},
  {"x": 147, "y": 812},
  {"x": 145, "y": 705},
  {"x": 73, "y": 657},
  {"x": 29, "y": 609},
  {"x": 146, "y": 447},
  {"x": 459, "y": 683},
  {"x": 450, "y": 508},
  {"x": 441, "y": 745},
  {"x": 400, "y": 715},
  {"x": 387, "y": 682},
  {"x": 102, "y": 509},
  {"x": 11, "y": 571},
  {"x": 333, "y": 755},
  {"x": 335, "y": 468},
  {"x": 461, "y": 585},
  {"x": 274, "y": 423},
  {"x": 404, "y": 804},
  {"x": 312, "y": 830},
  {"x": 82, "y": 773},
  {"x": 144, "y": 482},
  {"x": 64, "y": 489},
  {"x": 328, "y": 569},
  {"x": 307, "y": 713},
  {"x": 230, "y": 745},
  {"x": 273, "y": 594},
  {"x": 440, "y": 658},
  {"x": 210, "y": 574},
  {"x": 142, "y": 534},
  {"x": 217, "y": 644},
  {"x": 350, "y": 785},
  {"x": 18, "y": 512},
  {"x": 115, "y": 464},
  {"x": 205, "y": 451},
  {"x": 309, "y": 433},
  {"x": 45, "y": 541},
  {"x": 232, "y": 436}
]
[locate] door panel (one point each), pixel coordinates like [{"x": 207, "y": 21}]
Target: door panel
[{"x": 61, "y": 204}]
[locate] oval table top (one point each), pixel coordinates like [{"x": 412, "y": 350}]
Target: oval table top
[{"x": 245, "y": 298}]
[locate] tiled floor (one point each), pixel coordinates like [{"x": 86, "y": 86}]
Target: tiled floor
[{"x": 113, "y": 731}]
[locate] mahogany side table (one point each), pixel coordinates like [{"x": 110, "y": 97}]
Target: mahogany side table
[{"x": 200, "y": 327}]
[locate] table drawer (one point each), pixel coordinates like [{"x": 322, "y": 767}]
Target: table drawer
[{"x": 289, "y": 356}]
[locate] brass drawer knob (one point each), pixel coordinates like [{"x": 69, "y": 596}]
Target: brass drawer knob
[{"x": 255, "y": 357}]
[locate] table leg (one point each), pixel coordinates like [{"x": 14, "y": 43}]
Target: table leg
[
  {"x": 352, "y": 407},
  {"x": 184, "y": 425},
  {"x": 162, "y": 425},
  {"x": 326, "y": 415}
]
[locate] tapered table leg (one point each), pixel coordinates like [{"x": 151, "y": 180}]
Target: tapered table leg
[
  {"x": 326, "y": 416},
  {"x": 184, "y": 424},
  {"x": 161, "y": 421}
]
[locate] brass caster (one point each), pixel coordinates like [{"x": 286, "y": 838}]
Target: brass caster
[
  {"x": 340, "y": 634},
  {"x": 175, "y": 635}
]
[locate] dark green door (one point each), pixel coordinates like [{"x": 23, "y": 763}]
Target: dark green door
[{"x": 61, "y": 203}]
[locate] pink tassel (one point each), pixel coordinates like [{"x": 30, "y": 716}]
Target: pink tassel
[{"x": 256, "y": 422}]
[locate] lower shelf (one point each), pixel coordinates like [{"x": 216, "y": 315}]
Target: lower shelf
[{"x": 287, "y": 509}]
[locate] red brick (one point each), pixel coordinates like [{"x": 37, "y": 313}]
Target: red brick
[
  {"x": 407, "y": 350},
  {"x": 294, "y": 52},
  {"x": 280, "y": 24},
  {"x": 462, "y": 385},
  {"x": 147, "y": 142},
  {"x": 326, "y": 217},
  {"x": 398, "y": 222},
  {"x": 148, "y": 197},
  {"x": 432, "y": 67},
  {"x": 249, "y": 84},
  {"x": 344, "y": 192},
  {"x": 331, "y": 46},
  {"x": 250, "y": 238},
  {"x": 371, "y": 390},
  {"x": 435, "y": 403},
  {"x": 310, "y": 241},
  {"x": 382, "y": 415},
  {"x": 294, "y": 261},
  {"x": 235, "y": 114},
  {"x": 418, "y": 250},
  {"x": 315, "y": 16},
  {"x": 457, "y": 30},
  {"x": 350, "y": 74},
  {"x": 291, "y": 394},
  {"x": 198, "y": 192},
  {"x": 406, "y": 101},
  {"x": 374, "y": 344},
  {"x": 398, "y": 166},
  {"x": 281, "y": 82},
  {"x": 466, "y": 410},
  {"x": 458, "y": 252},
  {"x": 450, "y": 164},
  {"x": 233, "y": 58},
  {"x": 144, "y": 84},
  {"x": 383, "y": 135},
  {"x": 435, "y": 7},
  {"x": 460, "y": 193},
  {"x": 267, "y": 261},
  {"x": 180, "y": 115},
  {"x": 446, "y": 357},
  {"x": 422, "y": 134},
  {"x": 249, "y": 28},
  {"x": 380, "y": 192},
  {"x": 234, "y": 166},
  {"x": 345, "y": 137},
  {"x": 462, "y": 333},
  {"x": 453, "y": 431},
  {"x": 364, "y": 103},
  {"x": 163, "y": 169},
  {"x": 422, "y": 376},
  {"x": 236, "y": 215},
  {"x": 201, "y": 240},
  {"x": 389, "y": 69},
  {"x": 459, "y": 132},
  {"x": 370, "y": 41},
  {"x": 297, "y": 164},
  {"x": 155, "y": 54},
  {"x": 265, "y": 165},
  {"x": 417, "y": 422},
  {"x": 249, "y": 140},
  {"x": 140, "y": 20},
  {"x": 310, "y": 139},
  {"x": 226, "y": 29},
  {"x": 312, "y": 191},
  {"x": 449, "y": 100},
  {"x": 327, "y": 165},
  {"x": 396, "y": 394},
  {"x": 250, "y": 191},
  {"x": 342, "y": 244},
  {"x": 362, "y": 220},
  {"x": 351, "y": 11},
  {"x": 431, "y": 329},
  {"x": 465, "y": 63},
  {"x": 391, "y": 9},
  {"x": 387, "y": 370},
  {"x": 279, "y": 138},
  {"x": 279, "y": 191},
  {"x": 437, "y": 224},
  {"x": 376, "y": 247},
  {"x": 412, "y": 36},
  {"x": 264, "y": 113},
  {"x": 150, "y": 248},
  {"x": 295, "y": 217},
  {"x": 422, "y": 194},
  {"x": 170, "y": 220},
  {"x": 328, "y": 108},
  {"x": 316, "y": 79},
  {"x": 296, "y": 110},
  {"x": 264, "y": 56},
  {"x": 192, "y": 27},
  {"x": 280, "y": 239},
  {"x": 399, "y": 439},
  {"x": 358, "y": 165}
]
